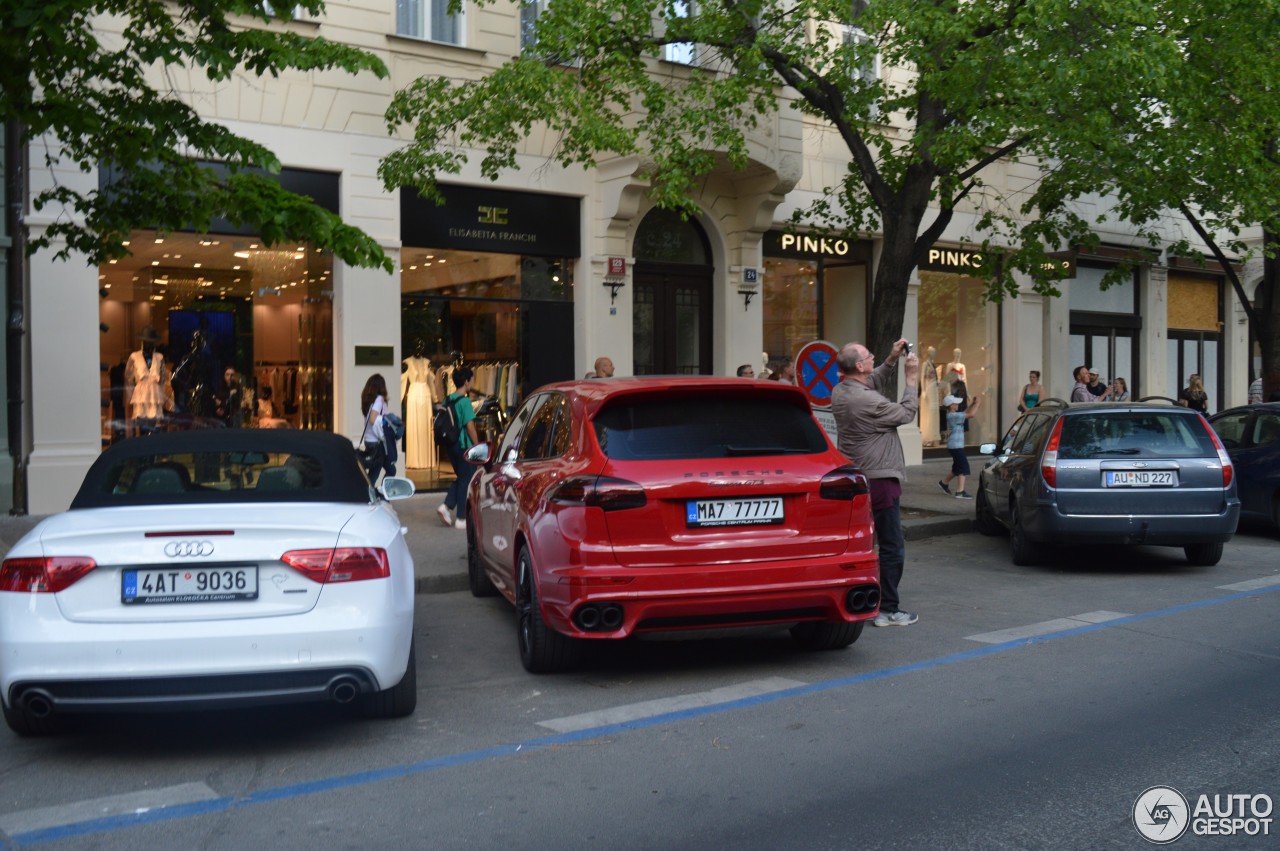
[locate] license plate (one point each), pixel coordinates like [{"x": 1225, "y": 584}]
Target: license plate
[
  {"x": 734, "y": 512},
  {"x": 1141, "y": 478},
  {"x": 189, "y": 584}
]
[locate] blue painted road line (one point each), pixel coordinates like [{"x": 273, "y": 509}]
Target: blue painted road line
[{"x": 299, "y": 790}]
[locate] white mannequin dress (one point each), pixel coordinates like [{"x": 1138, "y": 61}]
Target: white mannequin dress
[{"x": 415, "y": 389}]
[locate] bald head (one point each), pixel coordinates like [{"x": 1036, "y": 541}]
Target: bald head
[{"x": 604, "y": 368}]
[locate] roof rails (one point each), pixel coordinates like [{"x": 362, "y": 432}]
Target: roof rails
[{"x": 1051, "y": 402}]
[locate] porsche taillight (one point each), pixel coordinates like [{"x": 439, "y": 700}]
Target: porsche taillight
[
  {"x": 343, "y": 564},
  {"x": 44, "y": 575},
  {"x": 843, "y": 483},
  {"x": 1049, "y": 462},
  {"x": 603, "y": 492},
  {"x": 1228, "y": 471}
]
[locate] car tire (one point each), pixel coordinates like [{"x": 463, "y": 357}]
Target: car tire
[
  {"x": 1204, "y": 555},
  {"x": 26, "y": 725},
  {"x": 477, "y": 580},
  {"x": 826, "y": 635},
  {"x": 1026, "y": 552},
  {"x": 984, "y": 520},
  {"x": 542, "y": 649},
  {"x": 401, "y": 699}
]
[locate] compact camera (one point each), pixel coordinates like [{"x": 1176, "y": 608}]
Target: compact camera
[{"x": 907, "y": 350}]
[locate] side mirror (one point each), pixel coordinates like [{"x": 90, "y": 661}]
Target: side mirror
[
  {"x": 396, "y": 487},
  {"x": 478, "y": 454},
  {"x": 987, "y": 449}
]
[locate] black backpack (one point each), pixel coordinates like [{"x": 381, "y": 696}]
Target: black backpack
[{"x": 445, "y": 424}]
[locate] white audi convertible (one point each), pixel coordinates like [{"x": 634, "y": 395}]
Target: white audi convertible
[{"x": 205, "y": 569}]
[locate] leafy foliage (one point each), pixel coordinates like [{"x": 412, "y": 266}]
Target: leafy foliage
[
  {"x": 1070, "y": 90},
  {"x": 68, "y": 75}
]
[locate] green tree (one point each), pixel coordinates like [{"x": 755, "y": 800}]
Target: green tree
[
  {"x": 64, "y": 75},
  {"x": 992, "y": 81},
  {"x": 1206, "y": 148}
]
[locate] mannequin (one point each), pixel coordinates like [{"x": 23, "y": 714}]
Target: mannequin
[
  {"x": 958, "y": 366},
  {"x": 415, "y": 390},
  {"x": 146, "y": 384},
  {"x": 929, "y": 422}
]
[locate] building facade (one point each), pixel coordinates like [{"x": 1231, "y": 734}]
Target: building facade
[{"x": 531, "y": 278}]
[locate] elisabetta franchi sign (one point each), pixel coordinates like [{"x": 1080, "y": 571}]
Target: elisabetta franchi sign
[{"x": 497, "y": 220}]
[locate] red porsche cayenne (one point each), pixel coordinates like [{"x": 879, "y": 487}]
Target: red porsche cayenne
[{"x": 624, "y": 506}]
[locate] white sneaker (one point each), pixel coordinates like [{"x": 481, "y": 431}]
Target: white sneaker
[
  {"x": 460, "y": 524},
  {"x": 446, "y": 517},
  {"x": 895, "y": 619}
]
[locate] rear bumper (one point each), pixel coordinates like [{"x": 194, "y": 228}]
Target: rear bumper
[
  {"x": 711, "y": 596},
  {"x": 1048, "y": 524},
  {"x": 75, "y": 666}
]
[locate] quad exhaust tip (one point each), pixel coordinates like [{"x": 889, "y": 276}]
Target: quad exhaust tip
[
  {"x": 862, "y": 599},
  {"x": 599, "y": 617}
]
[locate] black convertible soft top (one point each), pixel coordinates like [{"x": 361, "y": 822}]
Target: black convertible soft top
[{"x": 219, "y": 466}]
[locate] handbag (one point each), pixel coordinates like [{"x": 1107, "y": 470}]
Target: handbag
[{"x": 370, "y": 453}]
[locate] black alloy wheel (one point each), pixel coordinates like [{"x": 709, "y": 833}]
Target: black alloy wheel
[{"x": 542, "y": 649}]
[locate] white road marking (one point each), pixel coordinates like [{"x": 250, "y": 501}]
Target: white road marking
[
  {"x": 650, "y": 708},
  {"x": 1252, "y": 584},
  {"x": 1045, "y": 627},
  {"x": 43, "y": 818}
]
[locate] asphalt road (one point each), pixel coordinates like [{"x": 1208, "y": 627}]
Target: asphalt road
[{"x": 1029, "y": 708}]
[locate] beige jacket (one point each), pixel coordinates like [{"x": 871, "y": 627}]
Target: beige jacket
[{"x": 867, "y": 423}]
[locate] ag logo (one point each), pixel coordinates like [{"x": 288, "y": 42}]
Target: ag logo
[
  {"x": 1161, "y": 814},
  {"x": 188, "y": 549}
]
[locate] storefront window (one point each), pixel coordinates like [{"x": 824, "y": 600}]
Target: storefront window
[
  {"x": 815, "y": 288},
  {"x": 957, "y": 347},
  {"x": 203, "y": 330},
  {"x": 484, "y": 309},
  {"x": 1195, "y": 335}
]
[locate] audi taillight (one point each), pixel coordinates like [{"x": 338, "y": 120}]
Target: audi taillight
[
  {"x": 44, "y": 575},
  {"x": 343, "y": 564},
  {"x": 1228, "y": 471},
  {"x": 1049, "y": 463},
  {"x": 604, "y": 492},
  {"x": 843, "y": 483}
]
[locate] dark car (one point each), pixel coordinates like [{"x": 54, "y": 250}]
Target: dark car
[
  {"x": 628, "y": 506},
  {"x": 1251, "y": 435},
  {"x": 1146, "y": 472}
]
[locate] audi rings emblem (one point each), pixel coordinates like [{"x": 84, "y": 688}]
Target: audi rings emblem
[{"x": 188, "y": 549}]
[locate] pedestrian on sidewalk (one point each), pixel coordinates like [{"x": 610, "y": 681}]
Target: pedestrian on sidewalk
[
  {"x": 867, "y": 427},
  {"x": 455, "y": 500},
  {"x": 955, "y": 444}
]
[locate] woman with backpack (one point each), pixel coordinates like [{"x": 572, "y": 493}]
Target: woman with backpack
[{"x": 464, "y": 415}]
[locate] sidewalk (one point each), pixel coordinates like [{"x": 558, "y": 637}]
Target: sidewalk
[{"x": 440, "y": 552}]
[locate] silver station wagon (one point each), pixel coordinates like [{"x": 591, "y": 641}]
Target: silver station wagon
[{"x": 1146, "y": 472}]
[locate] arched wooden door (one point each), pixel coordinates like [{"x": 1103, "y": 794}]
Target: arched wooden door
[{"x": 672, "y": 297}]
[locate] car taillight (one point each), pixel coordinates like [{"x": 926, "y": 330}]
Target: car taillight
[
  {"x": 604, "y": 492},
  {"x": 344, "y": 564},
  {"x": 843, "y": 483},
  {"x": 44, "y": 575},
  {"x": 1049, "y": 463},
  {"x": 1228, "y": 471}
]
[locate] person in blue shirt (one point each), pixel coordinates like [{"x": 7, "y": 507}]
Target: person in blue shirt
[{"x": 955, "y": 444}]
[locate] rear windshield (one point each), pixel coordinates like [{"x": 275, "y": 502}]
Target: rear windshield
[
  {"x": 203, "y": 476},
  {"x": 710, "y": 427},
  {"x": 1154, "y": 434}
]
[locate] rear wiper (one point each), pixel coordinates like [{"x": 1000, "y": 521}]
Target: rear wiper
[
  {"x": 734, "y": 451},
  {"x": 1119, "y": 451}
]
